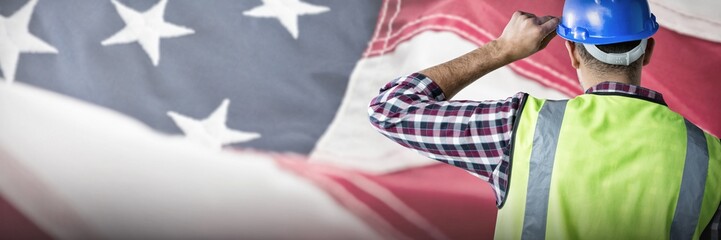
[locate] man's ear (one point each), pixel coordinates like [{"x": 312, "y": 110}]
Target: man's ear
[
  {"x": 649, "y": 51},
  {"x": 571, "y": 48}
]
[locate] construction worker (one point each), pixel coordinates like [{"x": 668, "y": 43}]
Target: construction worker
[{"x": 613, "y": 163}]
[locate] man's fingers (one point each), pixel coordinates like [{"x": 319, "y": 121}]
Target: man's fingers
[
  {"x": 547, "y": 40},
  {"x": 544, "y": 19},
  {"x": 529, "y": 15},
  {"x": 528, "y": 33},
  {"x": 549, "y": 25},
  {"x": 524, "y": 14}
]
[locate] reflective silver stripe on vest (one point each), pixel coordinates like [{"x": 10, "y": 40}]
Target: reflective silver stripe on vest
[
  {"x": 693, "y": 183},
  {"x": 548, "y": 127}
]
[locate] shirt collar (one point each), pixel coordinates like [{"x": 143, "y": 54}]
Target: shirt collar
[{"x": 627, "y": 89}]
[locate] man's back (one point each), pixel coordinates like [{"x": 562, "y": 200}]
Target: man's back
[
  {"x": 612, "y": 163},
  {"x": 608, "y": 166}
]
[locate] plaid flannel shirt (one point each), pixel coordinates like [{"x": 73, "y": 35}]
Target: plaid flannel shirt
[{"x": 473, "y": 135}]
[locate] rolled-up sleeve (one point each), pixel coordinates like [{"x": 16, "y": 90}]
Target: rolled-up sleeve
[{"x": 473, "y": 135}]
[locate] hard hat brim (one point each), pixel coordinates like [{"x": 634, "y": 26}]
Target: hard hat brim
[{"x": 574, "y": 36}]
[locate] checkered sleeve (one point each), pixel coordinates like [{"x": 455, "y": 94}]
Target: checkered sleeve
[{"x": 473, "y": 135}]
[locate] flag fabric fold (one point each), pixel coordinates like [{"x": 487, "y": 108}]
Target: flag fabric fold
[{"x": 124, "y": 118}]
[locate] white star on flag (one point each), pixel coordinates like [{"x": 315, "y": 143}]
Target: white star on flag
[
  {"x": 15, "y": 38},
  {"x": 146, "y": 28},
  {"x": 212, "y": 131},
  {"x": 287, "y": 12}
]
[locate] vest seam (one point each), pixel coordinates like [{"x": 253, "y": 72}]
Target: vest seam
[
  {"x": 516, "y": 121},
  {"x": 657, "y": 101}
]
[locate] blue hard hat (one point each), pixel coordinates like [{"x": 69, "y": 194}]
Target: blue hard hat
[{"x": 606, "y": 21}]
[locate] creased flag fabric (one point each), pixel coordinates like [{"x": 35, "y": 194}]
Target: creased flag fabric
[{"x": 247, "y": 119}]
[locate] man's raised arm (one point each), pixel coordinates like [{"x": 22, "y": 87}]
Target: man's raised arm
[
  {"x": 524, "y": 35},
  {"x": 414, "y": 110}
]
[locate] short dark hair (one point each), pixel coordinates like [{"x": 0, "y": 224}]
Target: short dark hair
[{"x": 602, "y": 67}]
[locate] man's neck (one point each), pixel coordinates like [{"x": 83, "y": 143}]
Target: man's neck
[{"x": 589, "y": 80}]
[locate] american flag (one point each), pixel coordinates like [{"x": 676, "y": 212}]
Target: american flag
[{"x": 247, "y": 119}]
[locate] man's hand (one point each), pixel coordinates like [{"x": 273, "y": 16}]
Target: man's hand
[
  {"x": 524, "y": 35},
  {"x": 527, "y": 34}
]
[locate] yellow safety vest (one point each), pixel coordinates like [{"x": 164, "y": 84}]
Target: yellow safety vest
[{"x": 608, "y": 167}]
